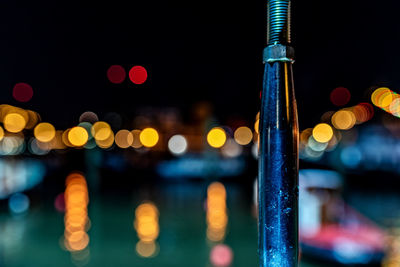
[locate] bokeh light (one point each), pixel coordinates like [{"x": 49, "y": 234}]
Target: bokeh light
[
  {"x": 216, "y": 137},
  {"x": 1, "y": 133},
  {"x": 340, "y": 96},
  {"x": 107, "y": 143},
  {"x": 138, "y": 74},
  {"x": 18, "y": 203},
  {"x": 221, "y": 255},
  {"x": 44, "y": 132},
  {"x": 243, "y": 135},
  {"x": 101, "y": 131},
  {"x": 322, "y": 132},
  {"x": 124, "y": 139},
  {"x": 76, "y": 218},
  {"x": 22, "y": 92},
  {"x": 14, "y": 122},
  {"x": 231, "y": 149},
  {"x": 343, "y": 119},
  {"x": 146, "y": 222},
  {"x": 78, "y": 136},
  {"x": 217, "y": 217},
  {"x": 33, "y": 119},
  {"x": 136, "y": 139},
  {"x": 116, "y": 74},
  {"x": 149, "y": 137},
  {"x": 88, "y": 116},
  {"x": 177, "y": 144},
  {"x": 146, "y": 249}
]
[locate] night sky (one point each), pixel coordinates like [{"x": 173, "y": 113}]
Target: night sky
[{"x": 193, "y": 51}]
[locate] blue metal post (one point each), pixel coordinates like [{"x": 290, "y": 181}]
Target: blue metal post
[{"x": 278, "y": 161}]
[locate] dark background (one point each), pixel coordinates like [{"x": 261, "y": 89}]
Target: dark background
[{"x": 193, "y": 51}]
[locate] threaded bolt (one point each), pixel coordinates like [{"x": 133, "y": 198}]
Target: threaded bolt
[{"x": 278, "y": 22}]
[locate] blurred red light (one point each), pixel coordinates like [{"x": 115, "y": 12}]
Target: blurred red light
[
  {"x": 138, "y": 74},
  {"x": 340, "y": 96},
  {"x": 116, "y": 74},
  {"x": 22, "y": 92}
]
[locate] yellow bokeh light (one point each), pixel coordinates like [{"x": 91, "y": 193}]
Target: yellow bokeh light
[
  {"x": 33, "y": 119},
  {"x": 124, "y": 138},
  {"x": 376, "y": 96},
  {"x": 243, "y": 135},
  {"x": 216, "y": 137},
  {"x": 101, "y": 131},
  {"x": 14, "y": 122},
  {"x": 78, "y": 136},
  {"x": 107, "y": 142},
  {"x": 343, "y": 119},
  {"x": 44, "y": 132},
  {"x": 149, "y": 137},
  {"x": 1, "y": 133},
  {"x": 322, "y": 132},
  {"x": 257, "y": 126}
]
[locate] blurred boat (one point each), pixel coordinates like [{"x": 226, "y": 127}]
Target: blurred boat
[{"x": 331, "y": 230}]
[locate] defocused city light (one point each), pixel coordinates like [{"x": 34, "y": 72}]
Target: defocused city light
[
  {"x": 101, "y": 131},
  {"x": 177, "y": 144},
  {"x": 22, "y": 92},
  {"x": 14, "y": 122},
  {"x": 136, "y": 139},
  {"x": 243, "y": 135},
  {"x": 231, "y": 149},
  {"x": 124, "y": 138},
  {"x": 138, "y": 74},
  {"x": 340, "y": 96},
  {"x": 78, "y": 136},
  {"x": 116, "y": 74},
  {"x": 343, "y": 119},
  {"x": 149, "y": 137},
  {"x": 89, "y": 116},
  {"x": 44, "y": 132},
  {"x": 216, "y": 137},
  {"x": 322, "y": 132}
]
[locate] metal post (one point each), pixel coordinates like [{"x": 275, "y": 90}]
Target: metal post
[{"x": 278, "y": 161}]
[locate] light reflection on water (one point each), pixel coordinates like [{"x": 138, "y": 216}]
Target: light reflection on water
[{"x": 182, "y": 235}]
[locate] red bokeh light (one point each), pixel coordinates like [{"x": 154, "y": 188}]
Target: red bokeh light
[
  {"x": 340, "y": 96},
  {"x": 59, "y": 202},
  {"x": 116, "y": 74},
  {"x": 138, "y": 74},
  {"x": 221, "y": 255},
  {"x": 22, "y": 92}
]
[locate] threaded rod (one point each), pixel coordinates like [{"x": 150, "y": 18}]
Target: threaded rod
[{"x": 278, "y": 22}]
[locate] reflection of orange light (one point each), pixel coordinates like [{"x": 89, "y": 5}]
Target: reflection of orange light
[
  {"x": 146, "y": 249},
  {"x": 146, "y": 222},
  {"x": 76, "y": 219},
  {"x": 217, "y": 218}
]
